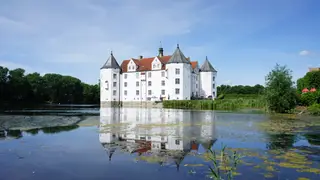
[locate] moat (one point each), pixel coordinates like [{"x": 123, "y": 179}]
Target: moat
[{"x": 138, "y": 143}]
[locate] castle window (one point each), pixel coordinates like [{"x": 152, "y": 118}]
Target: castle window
[
  {"x": 149, "y": 74},
  {"x": 177, "y": 71},
  {"x": 125, "y": 84},
  {"x": 177, "y": 91},
  {"x": 162, "y": 74},
  {"x": 125, "y": 76},
  {"x": 163, "y": 83},
  {"x": 114, "y": 92},
  {"x": 163, "y": 92},
  {"x": 177, "y": 142},
  {"x": 137, "y": 92},
  {"x": 107, "y": 85},
  {"x": 114, "y": 84},
  {"x": 214, "y": 94},
  {"x": 149, "y": 92},
  {"x": 137, "y": 83},
  {"x": 213, "y": 86},
  {"x": 125, "y": 92},
  {"x": 214, "y": 78},
  {"x": 149, "y": 83},
  {"x": 177, "y": 81},
  {"x": 114, "y": 76}
]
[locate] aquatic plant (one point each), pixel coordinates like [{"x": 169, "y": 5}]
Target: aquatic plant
[
  {"x": 224, "y": 163},
  {"x": 219, "y": 104}
]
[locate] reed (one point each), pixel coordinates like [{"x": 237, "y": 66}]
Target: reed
[
  {"x": 224, "y": 163},
  {"x": 222, "y": 104}
]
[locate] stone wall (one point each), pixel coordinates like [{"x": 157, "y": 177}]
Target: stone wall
[{"x": 148, "y": 104}]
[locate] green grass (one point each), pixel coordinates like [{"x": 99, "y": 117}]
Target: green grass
[{"x": 223, "y": 104}]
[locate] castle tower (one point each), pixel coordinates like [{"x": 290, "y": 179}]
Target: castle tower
[
  {"x": 179, "y": 76},
  {"x": 208, "y": 80},
  {"x": 110, "y": 83}
]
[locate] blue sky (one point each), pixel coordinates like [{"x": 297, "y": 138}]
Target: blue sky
[{"x": 243, "y": 39}]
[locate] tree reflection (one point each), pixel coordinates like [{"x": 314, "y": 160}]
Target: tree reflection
[
  {"x": 313, "y": 138},
  {"x": 32, "y": 131},
  {"x": 57, "y": 129},
  {"x": 281, "y": 141},
  {"x": 14, "y": 133}
]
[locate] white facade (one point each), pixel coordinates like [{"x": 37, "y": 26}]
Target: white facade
[
  {"x": 152, "y": 79},
  {"x": 156, "y": 129}
]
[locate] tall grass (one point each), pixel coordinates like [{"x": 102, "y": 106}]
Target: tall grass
[
  {"x": 224, "y": 164},
  {"x": 222, "y": 104}
]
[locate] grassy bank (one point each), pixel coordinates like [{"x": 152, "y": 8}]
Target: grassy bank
[{"x": 224, "y": 104}]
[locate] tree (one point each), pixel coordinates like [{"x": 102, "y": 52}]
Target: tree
[
  {"x": 17, "y": 87},
  {"x": 3, "y": 83},
  {"x": 279, "y": 91}
]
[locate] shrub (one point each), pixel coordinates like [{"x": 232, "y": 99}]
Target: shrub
[
  {"x": 310, "y": 98},
  {"x": 314, "y": 109}
]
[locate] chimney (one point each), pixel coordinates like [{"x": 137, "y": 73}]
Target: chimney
[
  {"x": 140, "y": 57},
  {"x": 160, "y": 52}
]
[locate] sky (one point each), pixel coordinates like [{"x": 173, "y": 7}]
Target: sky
[{"x": 243, "y": 39}]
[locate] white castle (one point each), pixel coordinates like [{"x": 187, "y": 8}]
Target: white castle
[{"x": 172, "y": 77}]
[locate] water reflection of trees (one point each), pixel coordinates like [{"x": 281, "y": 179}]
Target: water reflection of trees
[
  {"x": 281, "y": 141},
  {"x": 313, "y": 138},
  {"x": 46, "y": 130},
  {"x": 58, "y": 129}
]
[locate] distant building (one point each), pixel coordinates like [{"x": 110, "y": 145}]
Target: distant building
[
  {"x": 172, "y": 77},
  {"x": 314, "y": 69}
]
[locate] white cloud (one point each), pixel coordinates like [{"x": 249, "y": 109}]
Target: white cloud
[
  {"x": 304, "y": 53},
  {"x": 83, "y": 33}
]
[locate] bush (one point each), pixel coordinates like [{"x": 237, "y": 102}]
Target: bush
[
  {"x": 310, "y": 98},
  {"x": 314, "y": 109}
]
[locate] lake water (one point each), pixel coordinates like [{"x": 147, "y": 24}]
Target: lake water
[{"x": 138, "y": 144}]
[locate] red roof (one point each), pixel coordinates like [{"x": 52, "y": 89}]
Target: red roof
[
  {"x": 145, "y": 64},
  {"x": 305, "y": 90},
  {"x": 313, "y": 90},
  {"x": 194, "y": 64}
]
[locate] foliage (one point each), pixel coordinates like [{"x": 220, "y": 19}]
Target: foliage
[
  {"x": 240, "y": 89},
  {"x": 310, "y": 80},
  {"x": 279, "y": 92},
  {"x": 314, "y": 109},
  {"x": 221, "y": 104},
  {"x": 18, "y": 87},
  {"x": 224, "y": 163},
  {"x": 310, "y": 98}
]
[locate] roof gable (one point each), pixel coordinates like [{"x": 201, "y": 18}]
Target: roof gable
[
  {"x": 145, "y": 64},
  {"x": 111, "y": 63}
]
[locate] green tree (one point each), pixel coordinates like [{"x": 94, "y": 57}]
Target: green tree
[
  {"x": 3, "y": 83},
  {"x": 19, "y": 88},
  {"x": 279, "y": 91}
]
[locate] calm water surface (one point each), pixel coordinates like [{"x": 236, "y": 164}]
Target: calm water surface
[{"x": 131, "y": 143}]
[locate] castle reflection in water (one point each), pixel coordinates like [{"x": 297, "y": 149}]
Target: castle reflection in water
[{"x": 166, "y": 134}]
